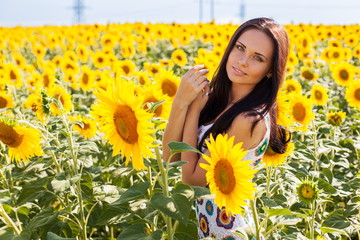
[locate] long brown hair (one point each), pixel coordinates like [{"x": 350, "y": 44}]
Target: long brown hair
[{"x": 262, "y": 97}]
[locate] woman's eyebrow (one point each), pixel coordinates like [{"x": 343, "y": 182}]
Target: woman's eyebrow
[{"x": 257, "y": 53}]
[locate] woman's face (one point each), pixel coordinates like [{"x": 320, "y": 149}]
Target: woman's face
[{"x": 250, "y": 60}]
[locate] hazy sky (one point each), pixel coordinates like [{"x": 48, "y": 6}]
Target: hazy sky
[{"x": 60, "y": 12}]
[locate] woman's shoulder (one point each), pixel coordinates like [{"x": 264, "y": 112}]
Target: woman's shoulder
[{"x": 245, "y": 131}]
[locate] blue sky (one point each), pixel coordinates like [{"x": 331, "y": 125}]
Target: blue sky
[{"x": 60, "y": 12}]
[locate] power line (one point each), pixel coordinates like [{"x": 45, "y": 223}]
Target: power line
[{"x": 79, "y": 10}]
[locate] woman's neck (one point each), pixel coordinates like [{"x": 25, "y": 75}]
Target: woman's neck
[{"x": 238, "y": 92}]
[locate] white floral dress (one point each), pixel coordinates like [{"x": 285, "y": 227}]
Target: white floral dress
[{"x": 214, "y": 222}]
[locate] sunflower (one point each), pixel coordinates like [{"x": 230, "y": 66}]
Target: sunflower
[
  {"x": 22, "y": 142},
  {"x": 292, "y": 86},
  {"x": 179, "y": 57},
  {"x": 308, "y": 74},
  {"x": 283, "y": 108},
  {"x": 343, "y": 73},
  {"x": 82, "y": 52},
  {"x": 62, "y": 100},
  {"x": 153, "y": 69},
  {"x": 13, "y": 75},
  {"x": 6, "y": 100},
  {"x": 39, "y": 51},
  {"x": 168, "y": 82},
  {"x": 318, "y": 95},
  {"x": 152, "y": 94},
  {"x": 308, "y": 191},
  {"x": 301, "y": 111},
  {"x": 125, "y": 124},
  {"x": 292, "y": 59},
  {"x": 127, "y": 49},
  {"x": 229, "y": 178},
  {"x": 142, "y": 77},
  {"x": 86, "y": 78},
  {"x": 100, "y": 59},
  {"x": 272, "y": 158},
  {"x": 69, "y": 67},
  {"x": 353, "y": 94},
  {"x": 124, "y": 68},
  {"x": 336, "y": 118},
  {"x": 39, "y": 103},
  {"x": 356, "y": 51},
  {"x": 86, "y": 127}
]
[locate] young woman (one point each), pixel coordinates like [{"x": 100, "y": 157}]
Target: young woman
[{"x": 240, "y": 101}]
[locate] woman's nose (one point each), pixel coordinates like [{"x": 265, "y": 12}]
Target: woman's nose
[{"x": 243, "y": 61}]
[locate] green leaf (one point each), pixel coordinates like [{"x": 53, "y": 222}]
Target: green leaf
[
  {"x": 135, "y": 191},
  {"x": 9, "y": 235},
  {"x": 53, "y": 236},
  {"x": 200, "y": 191},
  {"x": 178, "y": 147},
  {"x": 328, "y": 174},
  {"x": 336, "y": 221},
  {"x": 177, "y": 206},
  {"x": 45, "y": 217},
  {"x": 60, "y": 185},
  {"x": 324, "y": 185},
  {"x": 138, "y": 232},
  {"x": 325, "y": 230},
  {"x": 283, "y": 211}
]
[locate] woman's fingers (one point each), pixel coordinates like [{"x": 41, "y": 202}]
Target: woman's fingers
[{"x": 192, "y": 70}]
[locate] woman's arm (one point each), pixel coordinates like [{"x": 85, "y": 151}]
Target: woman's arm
[{"x": 191, "y": 85}]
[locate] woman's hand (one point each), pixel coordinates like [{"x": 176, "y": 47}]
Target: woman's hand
[
  {"x": 199, "y": 102},
  {"x": 191, "y": 86}
]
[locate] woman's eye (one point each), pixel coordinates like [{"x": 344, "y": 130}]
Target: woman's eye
[
  {"x": 240, "y": 47},
  {"x": 257, "y": 58}
]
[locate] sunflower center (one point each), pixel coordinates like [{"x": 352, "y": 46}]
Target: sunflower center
[
  {"x": 357, "y": 94},
  {"x": 307, "y": 192},
  {"x": 318, "y": 95},
  {"x": 299, "y": 112},
  {"x": 60, "y": 98},
  {"x": 169, "y": 88},
  {"x": 3, "y": 102},
  {"x": 224, "y": 176},
  {"x": 179, "y": 58},
  {"x": 126, "y": 124},
  {"x": 291, "y": 88},
  {"x": 85, "y": 126},
  {"x": 100, "y": 60},
  {"x": 126, "y": 69},
  {"x": 153, "y": 100},
  {"x": 85, "y": 78},
  {"x": 308, "y": 75},
  {"x": 12, "y": 75},
  {"x": 46, "y": 80},
  {"x": 9, "y": 136},
  {"x": 344, "y": 75}
]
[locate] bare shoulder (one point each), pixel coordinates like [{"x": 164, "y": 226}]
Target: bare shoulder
[{"x": 241, "y": 128}]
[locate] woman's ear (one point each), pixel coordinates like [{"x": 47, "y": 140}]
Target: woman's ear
[{"x": 269, "y": 75}]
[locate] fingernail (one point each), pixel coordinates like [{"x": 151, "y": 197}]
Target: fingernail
[{"x": 199, "y": 66}]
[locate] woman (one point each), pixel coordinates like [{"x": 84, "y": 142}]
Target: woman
[{"x": 240, "y": 101}]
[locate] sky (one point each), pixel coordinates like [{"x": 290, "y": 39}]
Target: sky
[{"x": 61, "y": 12}]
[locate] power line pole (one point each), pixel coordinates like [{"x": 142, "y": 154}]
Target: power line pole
[
  {"x": 212, "y": 10},
  {"x": 200, "y": 10},
  {"x": 242, "y": 11},
  {"x": 78, "y": 9}
]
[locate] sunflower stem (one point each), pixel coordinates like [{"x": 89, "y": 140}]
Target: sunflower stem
[
  {"x": 165, "y": 190},
  {"x": 255, "y": 216},
  {"x": 315, "y": 143},
  {"x": 8, "y": 221},
  {"x": 82, "y": 220}
]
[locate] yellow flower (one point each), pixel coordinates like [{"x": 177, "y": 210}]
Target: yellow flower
[
  {"x": 353, "y": 94},
  {"x": 39, "y": 104},
  {"x": 86, "y": 78},
  {"x": 152, "y": 94},
  {"x": 356, "y": 51},
  {"x": 168, "y": 82},
  {"x": 142, "y": 77},
  {"x": 82, "y": 52},
  {"x": 308, "y": 191},
  {"x": 6, "y": 100},
  {"x": 308, "y": 74},
  {"x": 336, "y": 118},
  {"x": 13, "y": 74},
  {"x": 22, "y": 142},
  {"x": 153, "y": 69},
  {"x": 62, "y": 100},
  {"x": 85, "y": 126},
  {"x": 123, "y": 121},
  {"x": 127, "y": 49},
  {"x": 301, "y": 111},
  {"x": 100, "y": 59},
  {"x": 272, "y": 158},
  {"x": 228, "y": 176},
  {"x": 292, "y": 86},
  {"x": 343, "y": 73},
  {"x": 283, "y": 109},
  {"x": 124, "y": 68},
  {"x": 179, "y": 57},
  {"x": 318, "y": 95}
]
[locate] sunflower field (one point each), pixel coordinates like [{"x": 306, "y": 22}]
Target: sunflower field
[{"x": 82, "y": 113}]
